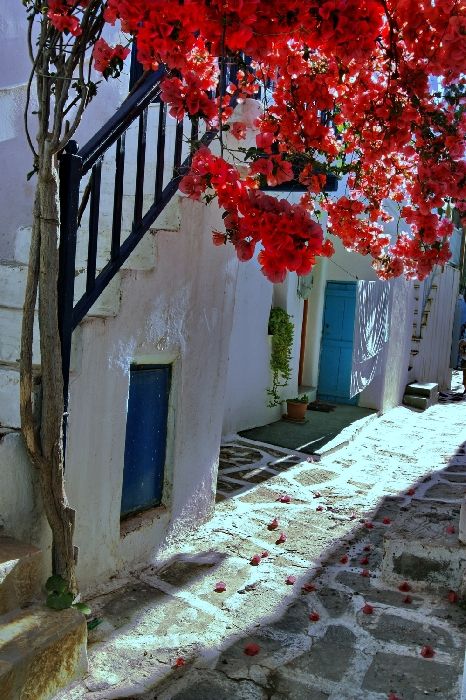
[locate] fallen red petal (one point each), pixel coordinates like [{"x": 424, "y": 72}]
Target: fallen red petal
[
  {"x": 386, "y": 521},
  {"x": 364, "y": 561},
  {"x": 365, "y": 573},
  {"x": 264, "y": 554},
  {"x": 450, "y": 530},
  {"x": 344, "y": 559},
  {"x": 255, "y": 560},
  {"x": 273, "y": 524},
  {"x": 368, "y": 525},
  {"x": 319, "y": 508},
  {"x": 290, "y": 580},
  {"x": 367, "y": 548},
  {"x": 314, "y": 616},
  {"x": 281, "y": 538},
  {"x": 404, "y": 587},
  {"x": 251, "y": 649},
  {"x": 393, "y": 696},
  {"x": 410, "y": 492},
  {"x": 284, "y": 498},
  {"x": 317, "y": 494},
  {"x": 179, "y": 662},
  {"x": 452, "y": 597},
  {"x": 427, "y": 652},
  {"x": 308, "y": 587},
  {"x": 220, "y": 587},
  {"x": 407, "y": 599},
  {"x": 368, "y": 609}
]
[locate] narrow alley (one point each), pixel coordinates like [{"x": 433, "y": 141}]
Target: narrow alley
[{"x": 332, "y": 580}]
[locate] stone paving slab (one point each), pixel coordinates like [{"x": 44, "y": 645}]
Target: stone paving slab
[{"x": 341, "y": 652}]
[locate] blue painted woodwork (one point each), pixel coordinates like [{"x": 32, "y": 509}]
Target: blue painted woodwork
[
  {"x": 336, "y": 350},
  {"x": 146, "y": 437}
]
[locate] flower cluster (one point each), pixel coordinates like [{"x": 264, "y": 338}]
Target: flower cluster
[{"x": 371, "y": 91}]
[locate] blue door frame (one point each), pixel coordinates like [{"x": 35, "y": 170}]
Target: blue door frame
[
  {"x": 336, "y": 350},
  {"x": 146, "y": 437}
]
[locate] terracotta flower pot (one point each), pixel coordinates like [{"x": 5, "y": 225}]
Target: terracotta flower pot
[{"x": 296, "y": 410}]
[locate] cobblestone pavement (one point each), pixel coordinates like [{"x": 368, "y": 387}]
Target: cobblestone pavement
[{"x": 338, "y": 631}]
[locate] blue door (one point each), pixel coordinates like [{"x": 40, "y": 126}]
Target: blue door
[
  {"x": 336, "y": 350},
  {"x": 146, "y": 437}
]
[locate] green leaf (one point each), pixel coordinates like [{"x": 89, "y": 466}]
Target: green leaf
[
  {"x": 56, "y": 584},
  {"x": 59, "y": 601},
  {"x": 82, "y": 607},
  {"x": 95, "y": 622}
]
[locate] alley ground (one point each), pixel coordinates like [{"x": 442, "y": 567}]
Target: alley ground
[{"x": 166, "y": 633}]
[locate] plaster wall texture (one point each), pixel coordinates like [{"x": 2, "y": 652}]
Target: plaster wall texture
[
  {"x": 16, "y": 193},
  {"x": 180, "y": 312}
]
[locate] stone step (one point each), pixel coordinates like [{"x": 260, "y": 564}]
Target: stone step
[
  {"x": 421, "y": 402},
  {"x": 41, "y": 651},
  {"x": 13, "y": 283},
  {"x": 20, "y": 574},
  {"x": 423, "y": 389}
]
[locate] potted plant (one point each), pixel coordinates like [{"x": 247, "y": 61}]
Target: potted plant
[
  {"x": 296, "y": 408},
  {"x": 281, "y": 330}
]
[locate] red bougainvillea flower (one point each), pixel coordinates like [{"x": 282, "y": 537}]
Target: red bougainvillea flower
[
  {"x": 344, "y": 559},
  {"x": 427, "y": 651},
  {"x": 251, "y": 649},
  {"x": 290, "y": 580},
  {"x": 386, "y": 521},
  {"x": 452, "y": 597},
  {"x": 407, "y": 599},
  {"x": 284, "y": 498},
  {"x": 220, "y": 587},
  {"x": 319, "y": 508},
  {"x": 450, "y": 530},
  {"x": 365, "y": 573},
  {"x": 404, "y": 587},
  {"x": 179, "y": 662},
  {"x": 364, "y": 561},
  {"x": 314, "y": 616},
  {"x": 368, "y": 525},
  {"x": 264, "y": 554},
  {"x": 281, "y": 538},
  {"x": 308, "y": 588},
  {"x": 255, "y": 560},
  {"x": 273, "y": 524},
  {"x": 368, "y": 609}
]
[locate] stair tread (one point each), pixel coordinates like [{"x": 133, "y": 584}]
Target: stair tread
[{"x": 41, "y": 651}]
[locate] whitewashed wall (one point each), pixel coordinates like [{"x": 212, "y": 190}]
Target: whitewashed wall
[{"x": 432, "y": 363}]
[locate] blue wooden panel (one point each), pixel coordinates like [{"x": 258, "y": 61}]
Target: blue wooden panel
[
  {"x": 146, "y": 437},
  {"x": 336, "y": 350}
]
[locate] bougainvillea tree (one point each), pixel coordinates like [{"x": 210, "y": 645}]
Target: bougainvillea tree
[{"x": 372, "y": 91}]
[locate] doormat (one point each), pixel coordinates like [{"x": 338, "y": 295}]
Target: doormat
[{"x": 320, "y": 406}]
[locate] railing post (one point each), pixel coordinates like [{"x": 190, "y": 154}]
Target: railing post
[{"x": 70, "y": 177}]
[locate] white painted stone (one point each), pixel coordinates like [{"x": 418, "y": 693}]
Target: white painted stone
[
  {"x": 108, "y": 304},
  {"x": 10, "y": 336},
  {"x": 12, "y": 285},
  {"x": 22, "y": 244},
  {"x": 9, "y": 398}
]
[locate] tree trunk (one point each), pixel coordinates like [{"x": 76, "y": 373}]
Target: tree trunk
[{"x": 44, "y": 442}]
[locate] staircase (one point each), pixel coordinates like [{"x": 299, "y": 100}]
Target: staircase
[
  {"x": 424, "y": 295},
  {"x": 41, "y": 650}
]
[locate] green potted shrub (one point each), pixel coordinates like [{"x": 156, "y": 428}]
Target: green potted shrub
[
  {"x": 281, "y": 330},
  {"x": 296, "y": 408}
]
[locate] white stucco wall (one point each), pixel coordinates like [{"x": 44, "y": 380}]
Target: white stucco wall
[
  {"x": 180, "y": 311},
  {"x": 16, "y": 193}
]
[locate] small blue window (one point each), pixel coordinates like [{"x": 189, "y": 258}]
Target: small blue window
[{"x": 146, "y": 437}]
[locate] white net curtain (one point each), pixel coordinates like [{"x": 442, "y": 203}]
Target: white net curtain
[{"x": 371, "y": 330}]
